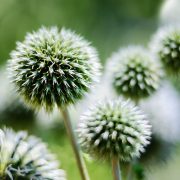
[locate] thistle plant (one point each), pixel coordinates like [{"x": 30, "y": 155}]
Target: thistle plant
[
  {"x": 26, "y": 157},
  {"x": 166, "y": 45},
  {"x": 54, "y": 68},
  {"x": 135, "y": 73},
  {"x": 116, "y": 130}
]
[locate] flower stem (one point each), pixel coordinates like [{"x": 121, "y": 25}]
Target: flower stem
[
  {"x": 72, "y": 138},
  {"x": 116, "y": 168},
  {"x": 130, "y": 169}
]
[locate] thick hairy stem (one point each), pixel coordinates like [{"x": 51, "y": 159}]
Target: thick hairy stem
[
  {"x": 116, "y": 168},
  {"x": 72, "y": 138}
]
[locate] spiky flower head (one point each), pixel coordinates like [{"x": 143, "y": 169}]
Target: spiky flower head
[
  {"x": 166, "y": 45},
  {"x": 135, "y": 73},
  {"x": 114, "y": 128},
  {"x": 26, "y": 157},
  {"x": 53, "y": 67}
]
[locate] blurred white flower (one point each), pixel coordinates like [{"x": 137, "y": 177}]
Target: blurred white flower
[
  {"x": 170, "y": 12},
  {"x": 163, "y": 108},
  {"x": 11, "y": 107},
  {"x": 6, "y": 89}
]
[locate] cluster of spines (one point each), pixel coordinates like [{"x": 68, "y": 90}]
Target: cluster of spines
[
  {"x": 135, "y": 72},
  {"x": 114, "y": 129},
  {"x": 26, "y": 157},
  {"x": 53, "y": 67},
  {"x": 166, "y": 45}
]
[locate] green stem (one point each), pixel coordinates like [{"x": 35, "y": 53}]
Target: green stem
[
  {"x": 130, "y": 171},
  {"x": 72, "y": 138},
  {"x": 116, "y": 168}
]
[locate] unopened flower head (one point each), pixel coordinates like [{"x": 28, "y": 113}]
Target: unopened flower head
[
  {"x": 26, "y": 157},
  {"x": 166, "y": 45},
  {"x": 135, "y": 73},
  {"x": 114, "y": 128},
  {"x": 53, "y": 67}
]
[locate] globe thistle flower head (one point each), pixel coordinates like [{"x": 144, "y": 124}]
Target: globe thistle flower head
[
  {"x": 53, "y": 67},
  {"x": 135, "y": 73},
  {"x": 26, "y": 157},
  {"x": 166, "y": 44},
  {"x": 114, "y": 129}
]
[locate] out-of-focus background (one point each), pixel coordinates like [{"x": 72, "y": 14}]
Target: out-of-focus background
[{"x": 108, "y": 24}]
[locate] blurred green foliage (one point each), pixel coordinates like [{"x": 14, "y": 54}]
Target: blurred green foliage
[{"x": 107, "y": 23}]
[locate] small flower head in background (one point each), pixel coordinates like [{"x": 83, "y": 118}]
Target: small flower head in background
[
  {"x": 26, "y": 157},
  {"x": 163, "y": 108},
  {"x": 166, "y": 45},
  {"x": 52, "y": 67},
  {"x": 114, "y": 128},
  {"x": 164, "y": 118},
  {"x": 135, "y": 72},
  {"x": 170, "y": 12}
]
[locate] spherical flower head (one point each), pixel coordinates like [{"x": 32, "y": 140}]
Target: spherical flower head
[
  {"x": 26, "y": 157},
  {"x": 114, "y": 128},
  {"x": 166, "y": 45},
  {"x": 53, "y": 67},
  {"x": 135, "y": 73}
]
